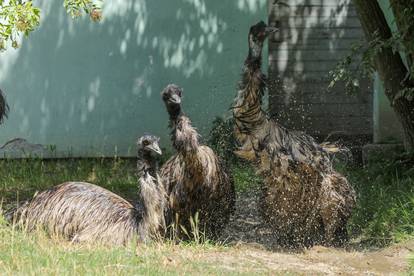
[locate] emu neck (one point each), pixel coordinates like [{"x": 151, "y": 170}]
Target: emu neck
[
  {"x": 253, "y": 60},
  {"x": 174, "y": 112},
  {"x": 3, "y": 107},
  {"x": 247, "y": 111},
  {"x": 146, "y": 163},
  {"x": 183, "y": 135},
  {"x": 152, "y": 196},
  {"x": 185, "y": 140}
]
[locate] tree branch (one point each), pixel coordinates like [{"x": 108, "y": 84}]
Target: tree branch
[
  {"x": 389, "y": 65},
  {"x": 404, "y": 14}
]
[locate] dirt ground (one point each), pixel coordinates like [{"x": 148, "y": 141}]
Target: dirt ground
[
  {"x": 247, "y": 259},
  {"x": 257, "y": 246}
]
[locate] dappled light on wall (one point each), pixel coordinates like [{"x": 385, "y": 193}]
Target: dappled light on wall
[
  {"x": 314, "y": 36},
  {"x": 250, "y": 5},
  {"x": 94, "y": 86}
]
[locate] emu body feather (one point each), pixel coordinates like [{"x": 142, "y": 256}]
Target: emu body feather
[
  {"x": 196, "y": 181},
  {"x": 79, "y": 212},
  {"x": 84, "y": 212}
]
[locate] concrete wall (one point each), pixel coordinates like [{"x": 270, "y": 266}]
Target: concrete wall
[
  {"x": 315, "y": 35},
  {"x": 93, "y": 88}
]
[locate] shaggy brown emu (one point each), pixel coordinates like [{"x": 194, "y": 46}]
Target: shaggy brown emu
[
  {"x": 195, "y": 178},
  {"x": 83, "y": 212},
  {"x": 304, "y": 199},
  {"x": 4, "y": 107}
]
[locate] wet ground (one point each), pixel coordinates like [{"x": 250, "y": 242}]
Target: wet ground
[
  {"x": 247, "y": 232},
  {"x": 246, "y": 225}
]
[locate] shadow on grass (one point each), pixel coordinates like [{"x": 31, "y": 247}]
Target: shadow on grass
[{"x": 385, "y": 201}]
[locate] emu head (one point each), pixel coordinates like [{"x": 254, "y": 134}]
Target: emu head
[
  {"x": 171, "y": 95},
  {"x": 257, "y": 35},
  {"x": 4, "y": 108},
  {"x": 149, "y": 143}
]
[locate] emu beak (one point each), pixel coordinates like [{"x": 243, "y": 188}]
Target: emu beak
[
  {"x": 175, "y": 99},
  {"x": 156, "y": 148},
  {"x": 270, "y": 30}
]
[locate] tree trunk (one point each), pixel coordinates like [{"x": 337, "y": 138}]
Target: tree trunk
[
  {"x": 404, "y": 12},
  {"x": 390, "y": 66}
]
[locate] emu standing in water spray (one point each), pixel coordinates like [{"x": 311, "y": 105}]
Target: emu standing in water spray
[
  {"x": 195, "y": 178},
  {"x": 83, "y": 212},
  {"x": 303, "y": 198}
]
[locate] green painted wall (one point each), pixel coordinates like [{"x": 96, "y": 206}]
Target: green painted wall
[
  {"x": 93, "y": 88},
  {"x": 387, "y": 128}
]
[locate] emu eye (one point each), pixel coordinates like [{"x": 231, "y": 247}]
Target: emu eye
[{"x": 145, "y": 143}]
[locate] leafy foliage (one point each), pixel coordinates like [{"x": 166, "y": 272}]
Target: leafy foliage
[
  {"x": 75, "y": 8},
  {"x": 221, "y": 138},
  {"x": 360, "y": 62},
  {"x": 16, "y": 17},
  {"x": 351, "y": 69},
  {"x": 21, "y": 17}
]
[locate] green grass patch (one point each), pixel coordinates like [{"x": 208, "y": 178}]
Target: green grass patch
[
  {"x": 35, "y": 254},
  {"x": 20, "y": 179},
  {"x": 384, "y": 214},
  {"x": 385, "y": 189},
  {"x": 385, "y": 200},
  {"x": 245, "y": 177}
]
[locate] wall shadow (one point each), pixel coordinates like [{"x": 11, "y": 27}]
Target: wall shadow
[
  {"x": 315, "y": 35},
  {"x": 91, "y": 89}
]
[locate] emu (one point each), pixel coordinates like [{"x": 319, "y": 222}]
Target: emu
[
  {"x": 4, "y": 107},
  {"x": 195, "y": 179},
  {"x": 84, "y": 212},
  {"x": 303, "y": 198}
]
